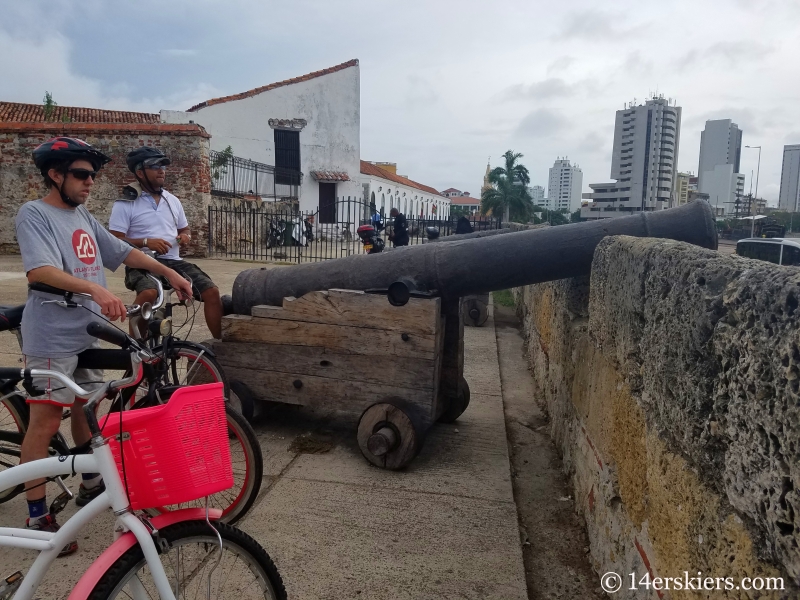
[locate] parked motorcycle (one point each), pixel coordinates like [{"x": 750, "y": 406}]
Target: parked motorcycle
[{"x": 371, "y": 240}]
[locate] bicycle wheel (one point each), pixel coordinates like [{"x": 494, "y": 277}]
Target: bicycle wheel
[
  {"x": 14, "y": 419},
  {"x": 13, "y": 424},
  {"x": 242, "y": 571},
  {"x": 248, "y": 468}
]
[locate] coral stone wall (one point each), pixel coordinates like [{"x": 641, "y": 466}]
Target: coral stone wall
[
  {"x": 671, "y": 378},
  {"x": 188, "y": 176}
]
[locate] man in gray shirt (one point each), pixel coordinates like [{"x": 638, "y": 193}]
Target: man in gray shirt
[{"x": 62, "y": 245}]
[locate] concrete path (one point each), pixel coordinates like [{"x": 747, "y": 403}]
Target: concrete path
[{"x": 337, "y": 527}]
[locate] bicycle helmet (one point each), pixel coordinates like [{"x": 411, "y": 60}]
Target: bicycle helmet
[
  {"x": 60, "y": 152},
  {"x": 143, "y": 157}
]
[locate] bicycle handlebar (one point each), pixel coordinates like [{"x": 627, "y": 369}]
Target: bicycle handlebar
[
  {"x": 109, "y": 333},
  {"x": 133, "y": 310}
]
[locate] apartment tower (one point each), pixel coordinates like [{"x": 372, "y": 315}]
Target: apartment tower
[
  {"x": 789, "y": 198},
  {"x": 718, "y": 172},
  {"x": 564, "y": 186},
  {"x": 643, "y": 162}
]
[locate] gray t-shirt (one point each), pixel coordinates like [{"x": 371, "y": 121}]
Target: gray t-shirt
[{"x": 73, "y": 241}]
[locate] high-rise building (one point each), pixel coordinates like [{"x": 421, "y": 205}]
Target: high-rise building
[
  {"x": 643, "y": 162},
  {"x": 789, "y": 198},
  {"x": 682, "y": 188},
  {"x": 537, "y": 194},
  {"x": 718, "y": 172},
  {"x": 564, "y": 186}
]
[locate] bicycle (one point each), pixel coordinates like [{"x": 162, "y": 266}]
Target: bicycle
[
  {"x": 162, "y": 377},
  {"x": 176, "y": 554}
]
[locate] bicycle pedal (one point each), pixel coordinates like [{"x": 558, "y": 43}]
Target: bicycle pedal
[
  {"x": 57, "y": 505},
  {"x": 10, "y": 585}
]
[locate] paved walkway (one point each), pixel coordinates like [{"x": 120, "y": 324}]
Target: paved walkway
[{"x": 337, "y": 527}]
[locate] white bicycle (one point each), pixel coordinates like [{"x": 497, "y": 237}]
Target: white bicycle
[{"x": 156, "y": 456}]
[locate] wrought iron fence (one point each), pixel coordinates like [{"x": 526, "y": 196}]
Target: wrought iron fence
[
  {"x": 235, "y": 177},
  {"x": 259, "y": 232}
]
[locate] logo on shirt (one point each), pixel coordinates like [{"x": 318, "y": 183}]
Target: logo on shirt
[{"x": 84, "y": 246}]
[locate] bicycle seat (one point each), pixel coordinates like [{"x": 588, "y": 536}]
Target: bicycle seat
[{"x": 11, "y": 317}]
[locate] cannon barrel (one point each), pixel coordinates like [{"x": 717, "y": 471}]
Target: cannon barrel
[{"x": 471, "y": 266}]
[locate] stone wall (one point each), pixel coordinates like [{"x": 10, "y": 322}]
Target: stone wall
[
  {"x": 671, "y": 379},
  {"x": 188, "y": 176}
]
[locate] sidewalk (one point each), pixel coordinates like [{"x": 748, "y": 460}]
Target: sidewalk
[{"x": 337, "y": 527}]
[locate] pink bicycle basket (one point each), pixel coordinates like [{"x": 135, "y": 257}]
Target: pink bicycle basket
[{"x": 175, "y": 452}]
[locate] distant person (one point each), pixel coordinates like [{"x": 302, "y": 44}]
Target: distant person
[
  {"x": 377, "y": 221},
  {"x": 399, "y": 235},
  {"x": 463, "y": 225}
]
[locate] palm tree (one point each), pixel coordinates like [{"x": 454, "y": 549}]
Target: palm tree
[{"x": 509, "y": 191}]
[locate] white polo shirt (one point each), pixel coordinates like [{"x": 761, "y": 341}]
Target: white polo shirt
[{"x": 143, "y": 218}]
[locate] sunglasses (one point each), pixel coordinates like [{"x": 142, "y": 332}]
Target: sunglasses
[
  {"x": 157, "y": 167},
  {"x": 83, "y": 174}
]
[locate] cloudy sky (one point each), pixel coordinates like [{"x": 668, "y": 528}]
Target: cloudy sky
[{"x": 444, "y": 85}]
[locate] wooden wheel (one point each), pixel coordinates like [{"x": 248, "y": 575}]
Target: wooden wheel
[
  {"x": 458, "y": 404},
  {"x": 389, "y": 436},
  {"x": 474, "y": 310}
]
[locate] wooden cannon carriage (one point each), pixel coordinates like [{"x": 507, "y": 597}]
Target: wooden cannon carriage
[{"x": 355, "y": 352}]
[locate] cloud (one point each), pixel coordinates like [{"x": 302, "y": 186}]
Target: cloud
[
  {"x": 593, "y": 143},
  {"x": 542, "y": 122},
  {"x": 732, "y": 53},
  {"x": 419, "y": 92},
  {"x": 70, "y": 89},
  {"x": 593, "y": 26},
  {"x": 540, "y": 90},
  {"x": 559, "y": 65}
]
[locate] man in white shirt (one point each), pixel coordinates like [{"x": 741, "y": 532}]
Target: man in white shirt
[{"x": 148, "y": 216}]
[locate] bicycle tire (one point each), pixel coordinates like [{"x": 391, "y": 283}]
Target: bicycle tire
[
  {"x": 189, "y": 537},
  {"x": 11, "y": 438},
  {"x": 14, "y": 418},
  {"x": 247, "y": 459}
]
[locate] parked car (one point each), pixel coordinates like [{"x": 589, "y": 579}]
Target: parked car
[{"x": 775, "y": 250}]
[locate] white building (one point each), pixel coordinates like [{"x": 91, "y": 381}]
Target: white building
[
  {"x": 310, "y": 125},
  {"x": 564, "y": 186},
  {"x": 718, "y": 172},
  {"x": 388, "y": 190},
  {"x": 462, "y": 200},
  {"x": 643, "y": 162},
  {"x": 789, "y": 198},
  {"x": 537, "y": 195},
  {"x": 681, "y": 188},
  {"x": 723, "y": 187}
]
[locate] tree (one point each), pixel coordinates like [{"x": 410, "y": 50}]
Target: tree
[
  {"x": 575, "y": 217},
  {"x": 554, "y": 217},
  {"x": 219, "y": 166},
  {"x": 49, "y": 106},
  {"x": 509, "y": 191}
]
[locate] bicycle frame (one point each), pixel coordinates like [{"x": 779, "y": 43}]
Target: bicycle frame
[{"x": 101, "y": 461}]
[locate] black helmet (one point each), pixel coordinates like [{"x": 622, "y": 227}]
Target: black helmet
[
  {"x": 64, "y": 150},
  {"x": 145, "y": 157}
]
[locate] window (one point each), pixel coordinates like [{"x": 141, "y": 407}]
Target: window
[
  {"x": 287, "y": 154},
  {"x": 767, "y": 251}
]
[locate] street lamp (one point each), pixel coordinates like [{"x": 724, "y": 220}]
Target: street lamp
[{"x": 758, "y": 171}]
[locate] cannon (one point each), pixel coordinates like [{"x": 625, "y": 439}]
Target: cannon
[
  {"x": 321, "y": 333},
  {"x": 474, "y": 307}
]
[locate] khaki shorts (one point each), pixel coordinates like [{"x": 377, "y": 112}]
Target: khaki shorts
[
  {"x": 54, "y": 390},
  {"x": 137, "y": 280}
]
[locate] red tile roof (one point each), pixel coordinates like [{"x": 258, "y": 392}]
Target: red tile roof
[
  {"x": 272, "y": 86},
  {"x": 451, "y": 190},
  {"x": 330, "y": 175},
  {"x": 367, "y": 168},
  {"x": 18, "y": 112}
]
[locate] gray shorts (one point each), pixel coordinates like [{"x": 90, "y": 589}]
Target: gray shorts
[{"x": 88, "y": 379}]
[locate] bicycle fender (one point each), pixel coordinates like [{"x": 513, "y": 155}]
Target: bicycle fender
[
  {"x": 185, "y": 344},
  {"x": 125, "y": 542}
]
